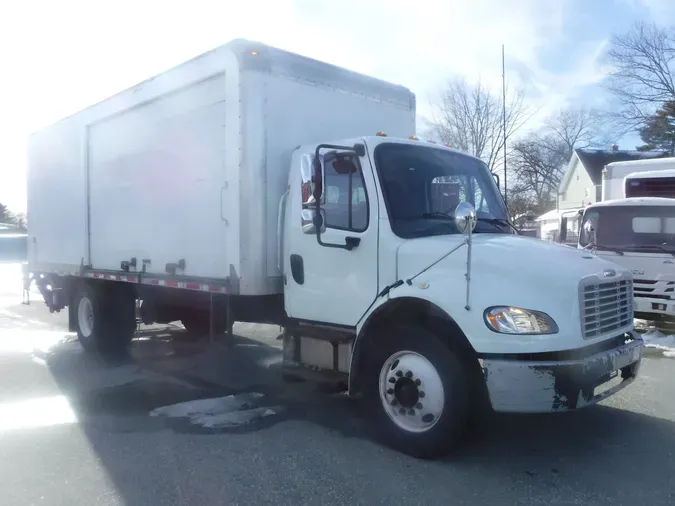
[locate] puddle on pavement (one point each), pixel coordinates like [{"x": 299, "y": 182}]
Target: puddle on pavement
[
  {"x": 162, "y": 385},
  {"x": 148, "y": 405}
]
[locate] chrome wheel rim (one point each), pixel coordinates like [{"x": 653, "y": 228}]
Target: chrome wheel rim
[
  {"x": 85, "y": 316},
  {"x": 411, "y": 391}
]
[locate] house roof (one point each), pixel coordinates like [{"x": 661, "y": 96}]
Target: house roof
[{"x": 594, "y": 160}]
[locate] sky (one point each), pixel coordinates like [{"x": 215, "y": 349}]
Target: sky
[{"x": 61, "y": 56}]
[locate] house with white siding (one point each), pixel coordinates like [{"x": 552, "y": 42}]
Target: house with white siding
[{"x": 581, "y": 183}]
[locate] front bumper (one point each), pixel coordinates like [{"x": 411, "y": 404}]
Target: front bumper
[
  {"x": 533, "y": 386},
  {"x": 663, "y": 308}
]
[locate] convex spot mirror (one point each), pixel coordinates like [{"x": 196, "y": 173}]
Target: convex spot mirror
[{"x": 465, "y": 217}]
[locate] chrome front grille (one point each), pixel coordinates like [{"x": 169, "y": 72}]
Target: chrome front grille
[
  {"x": 606, "y": 306},
  {"x": 654, "y": 289}
]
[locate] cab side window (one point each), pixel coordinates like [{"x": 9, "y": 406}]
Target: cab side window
[{"x": 346, "y": 200}]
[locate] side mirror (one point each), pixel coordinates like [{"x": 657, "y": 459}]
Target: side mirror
[
  {"x": 317, "y": 179},
  {"x": 465, "y": 218},
  {"x": 313, "y": 221}
]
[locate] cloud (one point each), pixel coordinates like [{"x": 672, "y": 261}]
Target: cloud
[{"x": 62, "y": 56}]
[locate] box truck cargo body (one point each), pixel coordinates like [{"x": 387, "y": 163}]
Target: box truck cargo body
[
  {"x": 652, "y": 183},
  {"x": 191, "y": 164},
  {"x": 614, "y": 175},
  {"x": 251, "y": 184}
]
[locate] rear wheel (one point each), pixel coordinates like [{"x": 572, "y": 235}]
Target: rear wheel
[
  {"x": 418, "y": 391},
  {"x": 105, "y": 318}
]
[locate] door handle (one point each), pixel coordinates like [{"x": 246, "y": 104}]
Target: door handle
[{"x": 352, "y": 242}]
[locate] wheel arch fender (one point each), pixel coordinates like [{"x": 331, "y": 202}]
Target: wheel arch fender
[{"x": 399, "y": 311}]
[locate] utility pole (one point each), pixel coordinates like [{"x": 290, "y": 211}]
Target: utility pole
[{"x": 504, "y": 114}]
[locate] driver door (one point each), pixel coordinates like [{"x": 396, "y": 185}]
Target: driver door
[{"x": 325, "y": 282}]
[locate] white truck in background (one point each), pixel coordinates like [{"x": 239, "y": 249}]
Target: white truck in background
[
  {"x": 614, "y": 175},
  {"x": 635, "y": 228},
  {"x": 247, "y": 185},
  {"x": 654, "y": 183},
  {"x": 637, "y": 233}
]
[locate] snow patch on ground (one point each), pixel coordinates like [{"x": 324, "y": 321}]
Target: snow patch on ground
[
  {"x": 220, "y": 412},
  {"x": 660, "y": 341}
]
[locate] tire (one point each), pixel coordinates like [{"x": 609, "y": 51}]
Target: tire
[
  {"x": 105, "y": 318},
  {"x": 198, "y": 323},
  {"x": 417, "y": 392}
]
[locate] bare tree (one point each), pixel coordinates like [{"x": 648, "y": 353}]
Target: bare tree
[
  {"x": 575, "y": 128},
  {"x": 538, "y": 161},
  {"x": 470, "y": 118},
  {"x": 644, "y": 72}
]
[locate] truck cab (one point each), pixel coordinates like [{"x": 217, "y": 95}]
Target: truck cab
[
  {"x": 401, "y": 251},
  {"x": 637, "y": 233}
]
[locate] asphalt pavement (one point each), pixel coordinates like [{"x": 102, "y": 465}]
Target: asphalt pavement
[{"x": 185, "y": 422}]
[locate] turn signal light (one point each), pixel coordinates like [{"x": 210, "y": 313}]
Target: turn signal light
[{"x": 381, "y": 134}]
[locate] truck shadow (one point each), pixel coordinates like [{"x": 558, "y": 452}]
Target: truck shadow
[{"x": 585, "y": 452}]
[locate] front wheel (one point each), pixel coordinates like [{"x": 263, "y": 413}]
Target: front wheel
[{"x": 418, "y": 392}]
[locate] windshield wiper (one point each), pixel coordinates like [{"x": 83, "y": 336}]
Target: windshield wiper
[
  {"x": 659, "y": 247},
  {"x": 614, "y": 249},
  {"x": 437, "y": 215},
  {"x": 498, "y": 221}
]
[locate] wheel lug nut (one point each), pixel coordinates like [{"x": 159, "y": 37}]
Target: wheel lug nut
[
  {"x": 421, "y": 395},
  {"x": 399, "y": 373},
  {"x": 392, "y": 380},
  {"x": 402, "y": 411},
  {"x": 411, "y": 411},
  {"x": 408, "y": 374},
  {"x": 418, "y": 382},
  {"x": 394, "y": 402},
  {"x": 390, "y": 391},
  {"x": 418, "y": 405}
]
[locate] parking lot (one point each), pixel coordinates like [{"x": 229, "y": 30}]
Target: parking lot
[{"x": 184, "y": 422}]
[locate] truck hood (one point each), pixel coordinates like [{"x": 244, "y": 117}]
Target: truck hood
[
  {"x": 524, "y": 271},
  {"x": 647, "y": 266},
  {"x": 506, "y": 270},
  {"x": 504, "y": 253}
]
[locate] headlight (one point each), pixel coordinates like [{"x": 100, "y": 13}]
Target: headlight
[{"x": 515, "y": 320}]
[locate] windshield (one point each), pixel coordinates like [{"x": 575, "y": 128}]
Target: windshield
[
  {"x": 630, "y": 228},
  {"x": 423, "y": 185}
]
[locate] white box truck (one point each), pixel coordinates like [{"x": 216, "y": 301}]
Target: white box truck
[
  {"x": 636, "y": 232},
  {"x": 614, "y": 174},
  {"x": 249, "y": 181},
  {"x": 652, "y": 183}
]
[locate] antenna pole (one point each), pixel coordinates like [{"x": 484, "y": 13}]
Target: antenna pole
[{"x": 504, "y": 117}]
